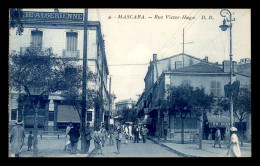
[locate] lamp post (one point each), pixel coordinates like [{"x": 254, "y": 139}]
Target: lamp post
[{"x": 224, "y": 27}]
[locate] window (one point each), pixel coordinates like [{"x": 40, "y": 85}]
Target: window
[
  {"x": 72, "y": 41},
  {"x": 13, "y": 114},
  {"x": 178, "y": 64},
  {"x": 51, "y": 115},
  {"x": 215, "y": 88},
  {"x": 36, "y": 38},
  {"x": 89, "y": 116},
  {"x": 186, "y": 82}
]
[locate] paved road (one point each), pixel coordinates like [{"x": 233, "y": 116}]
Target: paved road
[{"x": 148, "y": 149}]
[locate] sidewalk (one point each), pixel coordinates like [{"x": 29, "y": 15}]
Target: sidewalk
[
  {"x": 191, "y": 149},
  {"x": 51, "y": 146}
]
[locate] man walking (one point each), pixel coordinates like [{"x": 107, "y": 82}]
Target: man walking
[
  {"x": 74, "y": 138},
  {"x": 144, "y": 132},
  {"x": 88, "y": 137},
  {"x": 217, "y": 138},
  {"x": 17, "y": 139}
]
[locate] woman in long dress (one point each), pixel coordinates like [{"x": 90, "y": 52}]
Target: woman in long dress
[{"x": 234, "y": 149}]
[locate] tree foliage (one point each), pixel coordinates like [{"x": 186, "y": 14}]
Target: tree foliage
[
  {"x": 15, "y": 20},
  {"x": 38, "y": 73}
]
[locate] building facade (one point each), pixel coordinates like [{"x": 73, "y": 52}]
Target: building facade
[
  {"x": 63, "y": 32},
  {"x": 196, "y": 72}
]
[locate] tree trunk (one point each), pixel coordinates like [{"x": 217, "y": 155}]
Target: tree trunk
[
  {"x": 35, "y": 133},
  {"x": 241, "y": 132},
  {"x": 82, "y": 132},
  {"x": 200, "y": 132},
  {"x": 182, "y": 130}
]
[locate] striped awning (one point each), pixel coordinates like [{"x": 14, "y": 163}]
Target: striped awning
[
  {"x": 221, "y": 119},
  {"x": 66, "y": 113}
]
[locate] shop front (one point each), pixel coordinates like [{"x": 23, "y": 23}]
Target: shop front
[{"x": 219, "y": 120}]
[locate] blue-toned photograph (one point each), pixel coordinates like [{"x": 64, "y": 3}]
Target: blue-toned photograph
[{"x": 128, "y": 83}]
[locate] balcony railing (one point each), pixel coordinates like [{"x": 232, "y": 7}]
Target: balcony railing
[
  {"x": 70, "y": 54},
  {"x": 45, "y": 51}
]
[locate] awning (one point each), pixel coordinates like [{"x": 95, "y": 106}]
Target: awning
[
  {"x": 221, "y": 119},
  {"x": 66, "y": 113}
]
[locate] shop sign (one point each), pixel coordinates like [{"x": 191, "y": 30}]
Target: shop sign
[{"x": 52, "y": 16}]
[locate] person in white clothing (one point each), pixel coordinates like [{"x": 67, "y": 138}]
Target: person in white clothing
[
  {"x": 234, "y": 149},
  {"x": 67, "y": 140}
]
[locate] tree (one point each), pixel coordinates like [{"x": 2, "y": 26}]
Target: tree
[
  {"x": 128, "y": 114},
  {"x": 41, "y": 71},
  {"x": 73, "y": 97},
  {"x": 202, "y": 103},
  {"x": 15, "y": 20},
  {"x": 179, "y": 100},
  {"x": 185, "y": 99}
]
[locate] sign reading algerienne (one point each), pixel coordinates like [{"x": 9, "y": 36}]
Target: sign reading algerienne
[{"x": 50, "y": 16}]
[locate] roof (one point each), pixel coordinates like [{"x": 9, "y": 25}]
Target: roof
[{"x": 201, "y": 67}]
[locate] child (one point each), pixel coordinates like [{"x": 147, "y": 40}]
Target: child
[{"x": 30, "y": 139}]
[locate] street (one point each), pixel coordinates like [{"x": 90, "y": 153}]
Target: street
[
  {"x": 51, "y": 146},
  {"x": 148, "y": 149}
]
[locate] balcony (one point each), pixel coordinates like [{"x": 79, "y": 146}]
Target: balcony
[
  {"x": 70, "y": 54},
  {"x": 42, "y": 51}
]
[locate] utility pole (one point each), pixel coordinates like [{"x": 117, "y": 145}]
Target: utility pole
[
  {"x": 84, "y": 83},
  {"x": 183, "y": 47}
]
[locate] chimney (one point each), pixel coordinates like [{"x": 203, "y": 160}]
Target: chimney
[
  {"x": 206, "y": 59},
  {"x": 226, "y": 66},
  {"x": 154, "y": 57}
]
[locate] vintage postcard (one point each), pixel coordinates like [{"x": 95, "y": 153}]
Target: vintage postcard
[{"x": 120, "y": 82}]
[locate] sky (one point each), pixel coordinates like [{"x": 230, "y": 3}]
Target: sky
[{"x": 131, "y": 42}]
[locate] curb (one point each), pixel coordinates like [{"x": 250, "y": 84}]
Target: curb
[{"x": 171, "y": 149}]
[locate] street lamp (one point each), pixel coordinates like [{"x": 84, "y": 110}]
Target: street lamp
[{"x": 224, "y": 27}]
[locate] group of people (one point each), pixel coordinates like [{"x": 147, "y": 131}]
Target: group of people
[{"x": 100, "y": 135}]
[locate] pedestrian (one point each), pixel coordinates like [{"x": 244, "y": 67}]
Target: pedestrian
[
  {"x": 217, "y": 138},
  {"x": 97, "y": 141},
  {"x": 144, "y": 132},
  {"x": 88, "y": 137},
  {"x": 103, "y": 132},
  {"x": 139, "y": 132},
  {"x": 17, "y": 139},
  {"x": 130, "y": 132},
  {"x": 67, "y": 137},
  {"x": 74, "y": 138},
  {"x": 30, "y": 141},
  {"x": 136, "y": 134},
  {"x": 234, "y": 149},
  {"x": 126, "y": 132},
  {"x": 111, "y": 135},
  {"x": 118, "y": 137}
]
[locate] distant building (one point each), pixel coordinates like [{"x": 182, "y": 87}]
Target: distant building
[
  {"x": 63, "y": 32},
  {"x": 120, "y": 105}
]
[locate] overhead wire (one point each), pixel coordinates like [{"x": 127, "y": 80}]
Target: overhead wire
[{"x": 171, "y": 45}]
